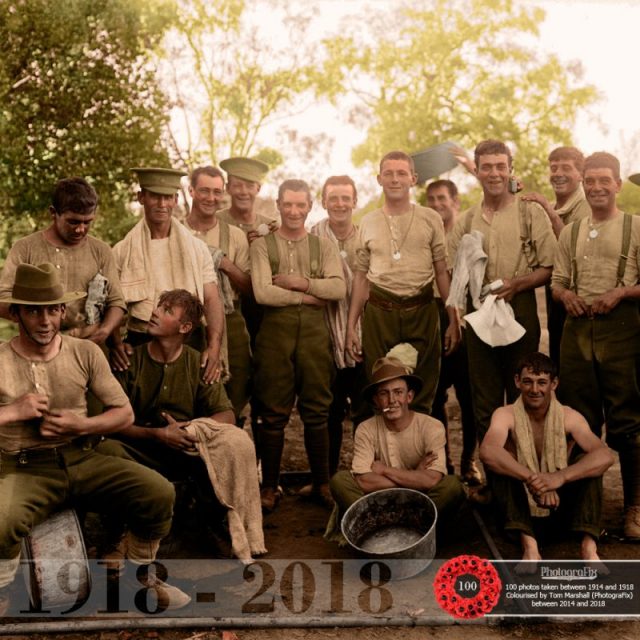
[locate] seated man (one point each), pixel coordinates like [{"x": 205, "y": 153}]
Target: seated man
[
  {"x": 530, "y": 448},
  {"x": 396, "y": 448},
  {"x": 47, "y": 441},
  {"x": 165, "y": 386}
]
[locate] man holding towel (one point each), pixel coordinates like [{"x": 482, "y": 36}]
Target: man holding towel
[{"x": 547, "y": 464}]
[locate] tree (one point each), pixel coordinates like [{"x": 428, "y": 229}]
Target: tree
[
  {"x": 78, "y": 96},
  {"x": 460, "y": 70},
  {"x": 234, "y": 68}
]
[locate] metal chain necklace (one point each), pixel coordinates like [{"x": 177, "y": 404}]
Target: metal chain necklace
[{"x": 396, "y": 253}]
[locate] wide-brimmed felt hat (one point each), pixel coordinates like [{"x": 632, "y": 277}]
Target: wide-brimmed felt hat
[
  {"x": 39, "y": 285},
  {"x": 387, "y": 368},
  {"x": 166, "y": 182},
  {"x": 249, "y": 169}
]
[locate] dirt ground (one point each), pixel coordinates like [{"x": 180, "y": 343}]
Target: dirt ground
[{"x": 294, "y": 531}]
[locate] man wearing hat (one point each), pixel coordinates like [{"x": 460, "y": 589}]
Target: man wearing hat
[
  {"x": 158, "y": 255},
  {"x": 401, "y": 253},
  {"x": 47, "y": 455},
  {"x": 230, "y": 252},
  {"x": 84, "y": 262},
  {"x": 398, "y": 447}
]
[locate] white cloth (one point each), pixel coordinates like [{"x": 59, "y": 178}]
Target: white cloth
[
  {"x": 495, "y": 323},
  {"x": 468, "y": 271},
  {"x": 230, "y": 458}
]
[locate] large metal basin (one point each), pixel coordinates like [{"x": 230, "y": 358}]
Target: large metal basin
[{"x": 394, "y": 525}]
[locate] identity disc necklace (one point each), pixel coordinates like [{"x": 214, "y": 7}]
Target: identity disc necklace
[
  {"x": 593, "y": 231},
  {"x": 397, "y": 248}
]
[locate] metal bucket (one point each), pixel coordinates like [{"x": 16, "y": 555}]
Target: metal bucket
[
  {"x": 397, "y": 525},
  {"x": 57, "y": 571}
]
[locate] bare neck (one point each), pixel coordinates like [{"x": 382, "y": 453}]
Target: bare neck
[
  {"x": 246, "y": 217},
  {"x": 397, "y": 208},
  {"x": 400, "y": 424},
  {"x": 200, "y": 223},
  {"x": 31, "y": 350},
  {"x": 166, "y": 349}
]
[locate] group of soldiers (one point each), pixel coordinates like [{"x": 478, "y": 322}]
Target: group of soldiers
[{"x": 203, "y": 313}]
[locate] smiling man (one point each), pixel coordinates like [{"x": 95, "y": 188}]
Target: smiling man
[
  {"x": 84, "y": 262},
  {"x": 294, "y": 275},
  {"x": 398, "y": 447},
  {"x": 547, "y": 463},
  {"x": 596, "y": 277}
]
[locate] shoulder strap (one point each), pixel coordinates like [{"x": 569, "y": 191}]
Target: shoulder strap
[
  {"x": 575, "y": 228},
  {"x": 272, "y": 250},
  {"x": 224, "y": 237},
  {"x": 527, "y": 243},
  {"x": 314, "y": 256},
  {"x": 624, "y": 254}
]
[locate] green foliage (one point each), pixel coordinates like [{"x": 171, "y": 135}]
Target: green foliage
[
  {"x": 629, "y": 198},
  {"x": 240, "y": 76},
  {"x": 460, "y": 70},
  {"x": 78, "y": 96}
]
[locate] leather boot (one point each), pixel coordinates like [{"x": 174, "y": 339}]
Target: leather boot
[{"x": 316, "y": 443}]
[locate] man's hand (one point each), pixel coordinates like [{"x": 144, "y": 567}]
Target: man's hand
[
  {"x": 452, "y": 338},
  {"x": 508, "y": 290},
  {"x": 119, "y": 354},
  {"x": 427, "y": 461},
  {"x": 547, "y": 500},
  {"x": 175, "y": 435},
  {"x": 62, "y": 422},
  {"x": 574, "y": 304},
  {"x": 291, "y": 282},
  {"x": 539, "y": 199},
  {"x": 29, "y": 406},
  {"x": 210, "y": 362},
  {"x": 378, "y": 467},
  {"x": 543, "y": 482},
  {"x": 353, "y": 346},
  {"x": 463, "y": 159},
  {"x": 608, "y": 301}
]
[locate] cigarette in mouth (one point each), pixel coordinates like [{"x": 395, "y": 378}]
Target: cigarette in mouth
[{"x": 387, "y": 409}]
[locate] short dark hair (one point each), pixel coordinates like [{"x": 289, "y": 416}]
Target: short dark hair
[
  {"x": 294, "y": 185},
  {"x": 398, "y": 155},
  {"x": 538, "y": 363},
  {"x": 603, "y": 160},
  {"x": 568, "y": 153},
  {"x": 339, "y": 180},
  {"x": 450, "y": 185},
  {"x": 490, "y": 148},
  {"x": 73, "y": 194},
  {"x": 212, "y": 172},
  {"x": 192, "y": 308}
]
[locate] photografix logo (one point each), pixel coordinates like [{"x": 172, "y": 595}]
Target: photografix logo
[{"x": 583, "y": 573}]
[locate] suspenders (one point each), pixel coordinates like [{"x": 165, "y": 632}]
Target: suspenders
[
  {"x": 314, "y": 254},
  {"x": 624, "y": 254}
]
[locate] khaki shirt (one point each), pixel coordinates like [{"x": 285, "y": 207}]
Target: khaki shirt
[
  {"x": 78, "y": 366},
  {"x": 575, "y": 208},
  {"x": 597, "y": 258},
  {"x": 238, "y": 250},
  {"x": 501, "y": 239},
  {"x": 77, "y": 265},
  {"x": 261, "y": 218},
  {"x": 400, "y": 450},
  {"x": 295, "y": 260},
  {"x": 419, "y": 238}
]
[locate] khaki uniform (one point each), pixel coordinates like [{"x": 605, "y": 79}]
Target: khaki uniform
[
  {"x": 38, "y": 475},
  {"x": 492, "y": 369},
  {"x": 78, "y": 265},
  {"x": 293, "y": 350},
  {"x": 400, "y": 306}
]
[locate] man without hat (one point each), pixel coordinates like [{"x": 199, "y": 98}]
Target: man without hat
[
  {"x": 158, "y": 255},
  {"x": 84, "y": 262},
  {"x": 47, "y": 456},
  {"x": 398, "y": 447}
]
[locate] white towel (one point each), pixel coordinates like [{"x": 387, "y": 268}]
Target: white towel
[{"x": 468, "y": 271}]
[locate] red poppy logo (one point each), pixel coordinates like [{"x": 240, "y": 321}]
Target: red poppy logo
[{"x": 467, "y": 587}]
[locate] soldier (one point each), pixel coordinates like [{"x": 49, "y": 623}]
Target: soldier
[
  {"x": 294, "y": 275},
  {"x": 157, "y": 255}
]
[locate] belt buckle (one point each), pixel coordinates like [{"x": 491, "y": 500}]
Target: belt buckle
[{"x": 23, "y": 458}]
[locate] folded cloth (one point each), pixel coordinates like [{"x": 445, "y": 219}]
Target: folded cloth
[
  {"x": 226, "y": 292},
  {"x": 554, "y": 445},
  {"x": 230, "y": 457},
  {"x": 495, "y": 323},
  {"x": 468, "y": 271}
]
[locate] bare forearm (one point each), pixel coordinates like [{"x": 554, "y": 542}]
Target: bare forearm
[
  {"x": 500, "y": 461},
  {"x": 359, "y": 297},
  {"x": 413, "y": 478},
  {"x": 590, "y": 465},
  {"x": 112, "y": 320},
  {"x": 533, "y": 280},
  {"x": 240, "y": 280},
  {"x": 370, "y": 482},
  {"x": 224, "y": 417},
  {"x": 111, "y": 421}
]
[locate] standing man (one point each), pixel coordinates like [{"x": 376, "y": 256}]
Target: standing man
[
  {"x": 397, "y": 447},
  {"x": 596, "y": 277},
  {"x": 339, "y": 199},
  {"x": 518, "y": 239},
  {"x": 230, "y": 252},
  {"x": 530, "y": 448},
  {"x": 47, "y": 441},
  {"x": 442, "y": 196},
  {"x": 158, "y": 255},
  {"x": 294, "y": 276},
  {"x": 401, "y": 253},
  {"x": 566, "y": 165},
  {"x": 84, "y": 262}
]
